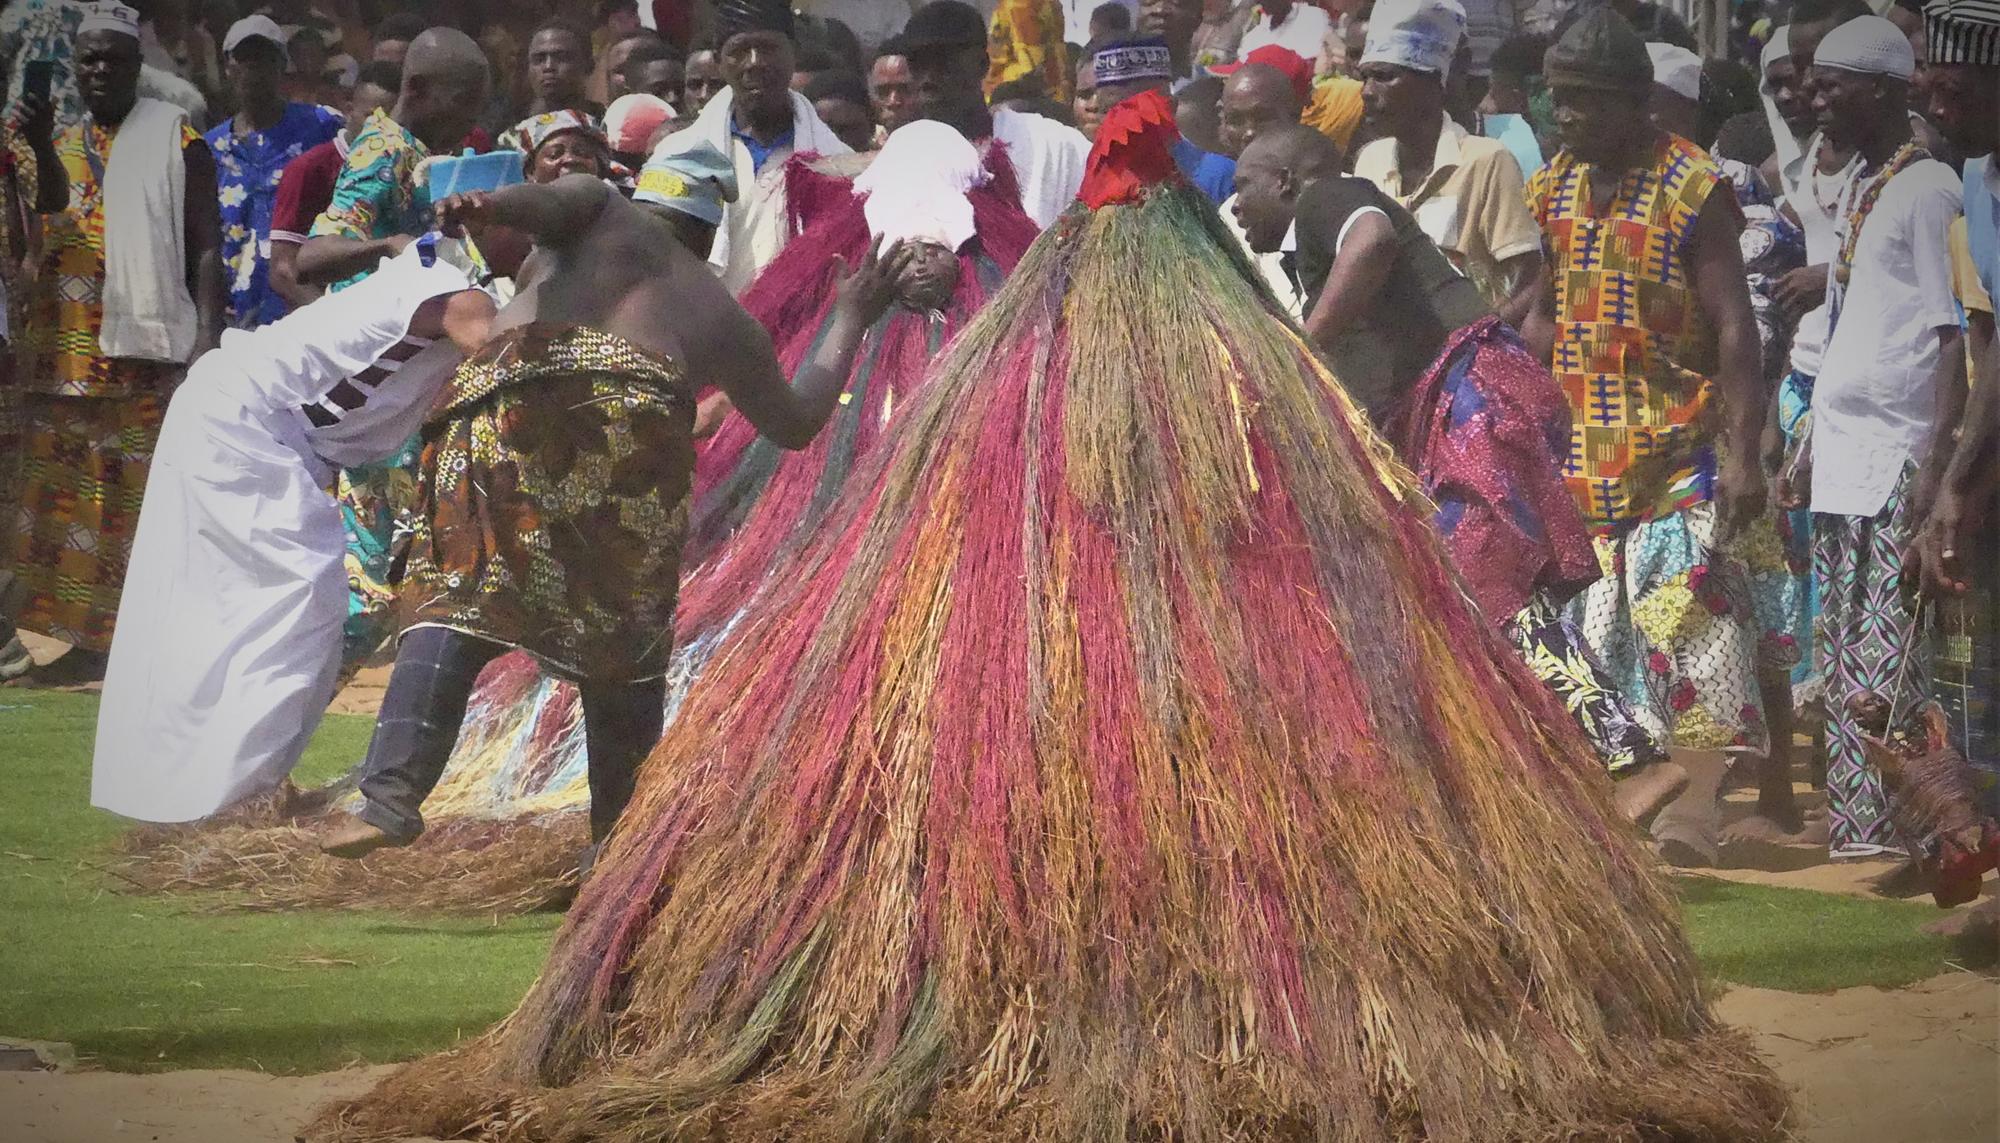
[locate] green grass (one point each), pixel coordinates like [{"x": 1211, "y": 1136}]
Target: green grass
[
  {"x": 142, "y": 983},
  {"x": 1800, "y": 941},
  {"x": 146, "y": 983}
]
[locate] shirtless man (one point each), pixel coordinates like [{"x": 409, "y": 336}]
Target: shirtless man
[{"x": 559, "y": 531}]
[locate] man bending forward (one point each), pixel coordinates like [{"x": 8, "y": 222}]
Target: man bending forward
[{"x": 555, "y": 476}]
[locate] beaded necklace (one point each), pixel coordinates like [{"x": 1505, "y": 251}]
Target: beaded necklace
[{"x": 1870, "y": 189}]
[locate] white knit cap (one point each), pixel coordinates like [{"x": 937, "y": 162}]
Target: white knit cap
[
  {"x": 1868, "y": 45},
  {"x": 916, "y": 185},
  {"x": 1421, "y": 35},
  {"x": 1676, "y": 69},
  {"x": 110, "y": 18}
]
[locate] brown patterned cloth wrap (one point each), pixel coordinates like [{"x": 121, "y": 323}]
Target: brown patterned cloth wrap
[{"x": 554, "y": 490}]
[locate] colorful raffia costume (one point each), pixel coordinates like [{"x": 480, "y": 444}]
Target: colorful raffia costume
[
  {"x": 1118, "y": 762},
  {"x": 505, "y": 823}
]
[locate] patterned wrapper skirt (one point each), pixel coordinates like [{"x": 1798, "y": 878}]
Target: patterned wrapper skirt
[
  {"x": 81, "y": 481},
  {"x": 553, "y": 489},
  {"x": 1673, "y": 623},
  {"x": 378, "y": 511},
  {"x": 1801, "y": 601}
]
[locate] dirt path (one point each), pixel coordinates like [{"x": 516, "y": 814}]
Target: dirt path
[
  {"x": 1918, "y": 1065},
  {"x": 172, "y": 1107},
  {"x": 1913, "y": 1066}
]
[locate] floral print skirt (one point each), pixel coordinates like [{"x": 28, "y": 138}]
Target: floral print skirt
[
  {"x": 554, "y": 489},
  {"x": 1673, "y": 623}
]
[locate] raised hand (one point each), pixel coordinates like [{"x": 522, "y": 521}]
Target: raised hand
[
  {"x": 456, "y": 211},
  {"x": 867, "y": 292},
  {"x": 37, "y": 119}
]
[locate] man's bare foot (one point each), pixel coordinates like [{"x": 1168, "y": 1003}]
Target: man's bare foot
[
  {"x": 350, "y": 837},
  {"x": 1641, "y": 796},
  {"x": 1761, "y": 828}
]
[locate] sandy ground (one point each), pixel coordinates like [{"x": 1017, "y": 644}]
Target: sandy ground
[
  {"x": 172, "y": 1107},
  {"x": 1918, "y": 1065}
]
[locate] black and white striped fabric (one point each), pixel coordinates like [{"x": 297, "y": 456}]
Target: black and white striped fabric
[
  {"x": 1963, "y": 31},
  {"x": 350, "y": 394}
]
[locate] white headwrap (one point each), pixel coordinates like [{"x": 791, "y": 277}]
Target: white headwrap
[
  {"x": 916, "y": 185},
  {"x": 1676, "y": 69},
  {"x": 1421, "y": 35},
  {"x": 1868, "y": 45},
  {"x": 1778, "y": 48},
  {"x": 110, "y": 18}
]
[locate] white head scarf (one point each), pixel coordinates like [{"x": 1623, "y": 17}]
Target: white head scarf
[
  {"x": 1676, "y": 69},
  {"x": 1779, "y": 48},
  {"x": 916, "y": 186},
  {"x": 1421, "y": 35}
]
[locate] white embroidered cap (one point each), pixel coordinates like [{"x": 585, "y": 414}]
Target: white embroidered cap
[{"x": 1868, "y": 45}]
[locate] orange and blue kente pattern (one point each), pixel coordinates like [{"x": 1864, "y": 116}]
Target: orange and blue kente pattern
[{"x": 1633, "y": 350}]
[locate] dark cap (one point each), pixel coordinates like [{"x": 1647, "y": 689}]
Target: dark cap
[
  {"x": 733, "y": 17},
  {"x": 1601, "y": 51},
  {"x": 942, "y": 25}
]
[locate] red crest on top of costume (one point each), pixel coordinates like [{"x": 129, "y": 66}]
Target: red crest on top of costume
[{"x": 1134, "y": 150}]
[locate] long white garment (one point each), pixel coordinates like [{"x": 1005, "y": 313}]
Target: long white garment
[
  {"x": 228, "y": 637},
  {"x": 1048, "y": 160},
  {"x": 148, "y": 312},
  {"x": 756, "y": 226}
]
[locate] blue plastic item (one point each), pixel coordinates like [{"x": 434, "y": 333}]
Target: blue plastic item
[{"x": 458, "y": 174}]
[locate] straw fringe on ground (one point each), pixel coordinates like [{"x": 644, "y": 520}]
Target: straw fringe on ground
[
  {"x": 1120, "y": 763},
  {"x": 465, "y": 866},
  {"x": 507, "y": 833}
]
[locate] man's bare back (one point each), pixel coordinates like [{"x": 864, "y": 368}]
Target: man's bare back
[{"x": 616, "y": 267}]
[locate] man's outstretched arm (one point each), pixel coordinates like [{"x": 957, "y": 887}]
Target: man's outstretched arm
[
  {"x": 553, "y": 214},
  {"x": 791, "y": 414}
]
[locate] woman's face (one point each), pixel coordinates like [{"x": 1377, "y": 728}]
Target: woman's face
[
  {"x": 928, "y": 278},
  {"x": 570, "y": 153}
]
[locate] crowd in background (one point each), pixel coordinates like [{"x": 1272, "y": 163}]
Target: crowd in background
[{"x": 1767, "y": 463}]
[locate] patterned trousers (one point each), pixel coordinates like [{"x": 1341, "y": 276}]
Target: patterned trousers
[
  {"x": 82, "y": 481},
  {"x": 1866, "y": 641}
]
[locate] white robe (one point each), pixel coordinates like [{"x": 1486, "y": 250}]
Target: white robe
[
  {"x": 228, "y": 636},
  {"x": 1048, "y": 160},
  {"x": 757, "y": 223}
]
